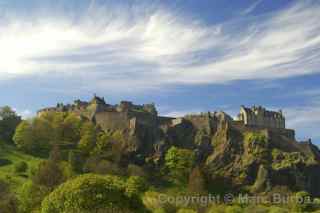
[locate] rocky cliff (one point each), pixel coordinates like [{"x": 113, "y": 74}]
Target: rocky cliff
[{"x": 232, "y": 155}]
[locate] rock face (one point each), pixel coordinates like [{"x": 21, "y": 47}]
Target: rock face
[
  {"x": 260, "y": 160},
  {"x": 234, "y": 155}
]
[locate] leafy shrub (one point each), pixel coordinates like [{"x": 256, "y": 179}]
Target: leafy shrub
[
  {"x": 88, "y": 137},
  {"x": 255, "y": 137},
  {"x": 136, "y": 185},
  {"x": 9, "y": 120},
  {"x": 75, "y": 160},
  {"x": 156, "y": 202},
  {"x": 302, "y": 202},
  {"x": 179, "y": 162},
  {"x": 95, "y": 165},
  {"x": 20, "y": 167},
  {"x": 30, "y": 196},
  {"x": 8, "y": 201},
  {"x": 92, "y": 193},
  {"x": 48, "y": 174}
]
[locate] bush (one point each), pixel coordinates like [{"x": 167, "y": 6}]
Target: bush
[
  {"x": 136, "y": 185},
  {"x": 154, "y": 201},
  {"x": 302, "y": 202},
  {"x": 179, "y": 162},
  {"x": 92, "y": 193},
  {"x": 8, "y": 202},
  {"x": 31, "y": 196},
  {"x": 20, "y": 167},
  {"x": 254, "y": 137},
  {"x": 96, "y": 165},
  {"x": 75, "y": 160},
  {"x": 48, "y": 174}
]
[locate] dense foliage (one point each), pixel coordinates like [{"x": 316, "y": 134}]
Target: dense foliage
[
  {"x": 37, "y": 136},
  {"x": 179, "y": 163},
  {"x": 92, "y": 193},
  {"x": 8, "y": 123}
]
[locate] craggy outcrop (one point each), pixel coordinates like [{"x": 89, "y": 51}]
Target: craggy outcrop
[
  {"x": 253, "y": 160},
  {"x": 236, "y": 154}
]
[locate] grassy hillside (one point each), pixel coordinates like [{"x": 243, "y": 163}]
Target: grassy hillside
[{"x": 9, "y": 157}]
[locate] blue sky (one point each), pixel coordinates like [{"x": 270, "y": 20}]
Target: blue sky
[{"x": 184, "y": 55}]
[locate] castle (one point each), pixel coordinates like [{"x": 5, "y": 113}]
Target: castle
[
  {"x": 130, "y": 117},
  {"x": 123, "y": 116},
  {"x": 259, "y": 116}
]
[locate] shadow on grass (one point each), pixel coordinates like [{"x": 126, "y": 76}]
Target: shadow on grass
[{"x": 5, "y": 162}]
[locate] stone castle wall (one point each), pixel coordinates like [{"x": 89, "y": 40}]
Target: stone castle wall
[
  {"x": 289, "y": 133},
  {"x": 112, "y": 120},
  {"x": 202, "y": 121},
  {"x": 127, "y": 116},
  {"x": 259, "y": 116},
  {"x": 144, "y": 118}
]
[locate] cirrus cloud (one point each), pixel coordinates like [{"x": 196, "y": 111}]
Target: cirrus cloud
[{"x": 145, "y": 47}]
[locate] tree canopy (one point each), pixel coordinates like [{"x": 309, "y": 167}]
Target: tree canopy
[
  {"x": 9, "y": 120},
  {"x": 92, "y": 193}
]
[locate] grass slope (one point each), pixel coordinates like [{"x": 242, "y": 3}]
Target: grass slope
[{"x": 9, "y": 156}]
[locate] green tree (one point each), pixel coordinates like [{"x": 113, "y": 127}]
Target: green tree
[
  {"x": 92, "y": 193},
  {"x": 179, "y": 162},
  {"x": 104, "y": 144},
  {"x": 55, "y": 154},
  {"x": 75, "y": 160},
  {"x": 43, "y": 135},
  {"x": 71, "y": 128},
  {"x": 23, "y": 137},
  {"x": 20, "y": 167},
  {"x": 48, "y": 174},
  {"x": 88, "y": 137},
  {"x": 34, "y": 136},
  {"x": 9, "y": 120},
  {"x": 57, "y": 127}
]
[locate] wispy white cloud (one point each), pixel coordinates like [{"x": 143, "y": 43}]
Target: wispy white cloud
[
  {"x": 251, "y": 8},
  {"x": 306, "y": 120},
  {"x": 143, "y": 47}
]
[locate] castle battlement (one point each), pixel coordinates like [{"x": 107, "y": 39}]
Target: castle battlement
[
  {"x": 124, "y": 115},
  {"x": 129, "y": 116},
  {"x": 261, "y": 117}
]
